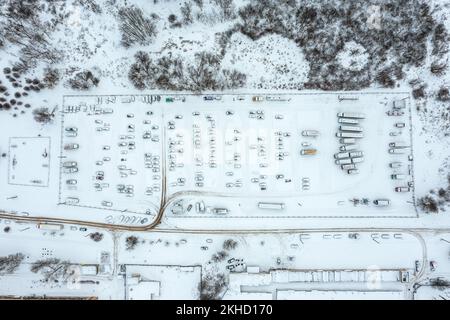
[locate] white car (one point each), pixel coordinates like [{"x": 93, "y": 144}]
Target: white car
[{"x": 381, "y": 202}]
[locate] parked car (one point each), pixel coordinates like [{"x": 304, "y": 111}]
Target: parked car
[
  {"x": 71, "y": 146},
  {"x": 381, "y": 202},
  {"x": 402, "y": 189}
]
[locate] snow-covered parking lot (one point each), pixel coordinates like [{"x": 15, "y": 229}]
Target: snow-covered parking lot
[
  {"x": 231, "y": 156},
  {"x": 251, "y": 155},
  {"x": 115, "y": 151}
]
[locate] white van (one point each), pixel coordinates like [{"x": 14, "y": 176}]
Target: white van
[{"x": 349, "y": 147}]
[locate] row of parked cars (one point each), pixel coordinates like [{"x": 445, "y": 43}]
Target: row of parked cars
[{"x": 399, "y": 172}]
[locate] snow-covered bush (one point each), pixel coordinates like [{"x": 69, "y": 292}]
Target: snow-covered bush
[{"x": 135, "y": 27}]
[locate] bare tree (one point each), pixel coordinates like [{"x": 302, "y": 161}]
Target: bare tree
[
  {"x": 10, "y": 263},
  {"x": 96, "y": 236},
  {"x": 43, "y": 115},
  {"x": 230, "y": 244},
  {"x": 186, "y": 13},
  {"x": 212, "y": 286},
  {"x": 52, "y": 269},
  {"x": 219, "y": 256},
  {"x": 90, "y": 5},
  {"x": 226, "y": 7},
  {"x": 51, "y": 77},
  {"x": 131, "y": 242},
  {"x": 439, "y": 283},
  {"x": 135, "y": 27}
]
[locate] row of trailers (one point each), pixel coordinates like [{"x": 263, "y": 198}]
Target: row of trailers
[{"x": 349, "y": 132}]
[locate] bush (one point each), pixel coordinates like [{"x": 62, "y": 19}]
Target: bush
[
  {"x": 428, "y": 204},
  {"x": 135, "y": 27}
]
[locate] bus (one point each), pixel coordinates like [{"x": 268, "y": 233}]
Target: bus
[
  {"x": 353, "y": 115},
  {"x": 271, "y": 205}
]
